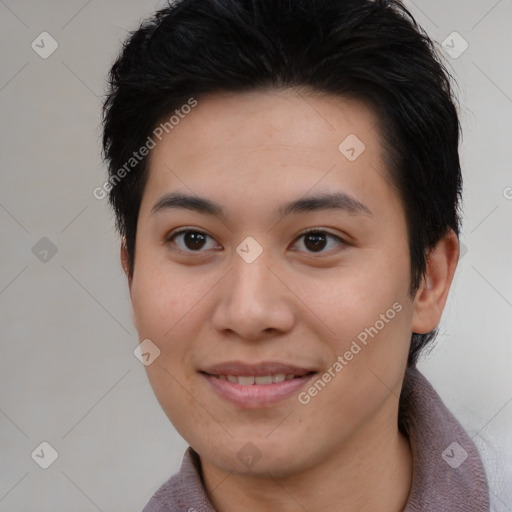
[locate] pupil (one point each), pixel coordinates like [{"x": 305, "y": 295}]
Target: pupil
[
  {"x": 318, "y": 240},
  {"x": 194, "y": 240}
]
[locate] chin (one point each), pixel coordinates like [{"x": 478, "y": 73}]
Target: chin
[{"x": 259, "y": 457}]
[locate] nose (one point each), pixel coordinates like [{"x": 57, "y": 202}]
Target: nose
[{"x": 253, "y": 301}]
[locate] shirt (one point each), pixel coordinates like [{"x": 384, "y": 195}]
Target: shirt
[{"x": 448, "y": 474}]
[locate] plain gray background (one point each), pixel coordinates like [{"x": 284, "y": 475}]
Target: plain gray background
[{"x": 68, "y": 373}]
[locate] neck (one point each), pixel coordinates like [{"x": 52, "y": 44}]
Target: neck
[{"x": 372, "y": 471}]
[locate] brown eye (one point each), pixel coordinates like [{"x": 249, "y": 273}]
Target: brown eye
[
  {"x": 189, "y": 240},
  {"x": 316, "y": 240}
]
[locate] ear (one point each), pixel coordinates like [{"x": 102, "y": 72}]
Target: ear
[
  {"x": 125, "y": 263},
  {"x": 126, "y": 267},
  {"x": 431, "y": 296}
]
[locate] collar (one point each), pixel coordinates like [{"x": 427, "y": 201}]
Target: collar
[{"x": 448, "y": 474}]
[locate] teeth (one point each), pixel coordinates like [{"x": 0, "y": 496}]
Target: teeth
[
  {"x": 245, "y": 381},
  {"x": 266, "y": 379},
  {"x": 263, "y": 379}
]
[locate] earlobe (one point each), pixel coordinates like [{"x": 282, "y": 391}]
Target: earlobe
[{"x": 432, "y": 294}]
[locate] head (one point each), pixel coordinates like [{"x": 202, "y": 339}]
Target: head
[{"x": 253, "y": 106}]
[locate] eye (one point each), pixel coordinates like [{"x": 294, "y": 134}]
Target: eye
[
  {"x": 315, "y": 240},
  {"x": 191, "y": 240}
]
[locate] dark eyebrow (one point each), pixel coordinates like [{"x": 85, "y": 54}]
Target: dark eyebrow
[
  {"x": 186, "y": 202},
  {"x": 333, "y": 201}
]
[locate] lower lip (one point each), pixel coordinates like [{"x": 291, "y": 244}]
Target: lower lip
[{"x": 257, "y": 395}]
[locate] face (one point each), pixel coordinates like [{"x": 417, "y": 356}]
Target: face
[{"x": 253, "y": 280}]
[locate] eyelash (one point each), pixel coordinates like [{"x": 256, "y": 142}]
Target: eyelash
[{"x": 181, "y": 231}]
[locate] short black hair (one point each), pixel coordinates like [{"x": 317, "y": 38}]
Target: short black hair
[{"x": 372, "y": 51}]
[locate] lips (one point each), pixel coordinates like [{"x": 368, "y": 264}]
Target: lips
[{"x": 256, "y": 385}]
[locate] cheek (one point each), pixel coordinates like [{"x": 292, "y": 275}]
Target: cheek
[
  {"x": 159, "y": 300},
  {"x": 354, "y": 298},
  {"x": 166, "y": 315},
  {"x": 164, "y": 312},
  {"x": 371, "y": 315}
]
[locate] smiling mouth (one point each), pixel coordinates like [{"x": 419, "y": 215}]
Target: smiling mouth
[
  {"x": 249, "y": 380},
  {"x": 256, "y": 386}
]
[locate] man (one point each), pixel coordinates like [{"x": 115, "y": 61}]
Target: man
[{"x": 289, "y": 240}]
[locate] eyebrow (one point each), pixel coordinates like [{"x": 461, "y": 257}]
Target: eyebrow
[{"x": 328, "y": 201}]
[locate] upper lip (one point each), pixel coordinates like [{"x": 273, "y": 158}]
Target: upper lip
[{"x": 255, "y": 370}]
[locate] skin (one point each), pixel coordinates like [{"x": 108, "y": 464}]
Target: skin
[{"x": 252, "y": 152}]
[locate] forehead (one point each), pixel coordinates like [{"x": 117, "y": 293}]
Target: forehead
[
  {"x": 233, "y": 145},
  {"x": 274, "y": 119}
]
